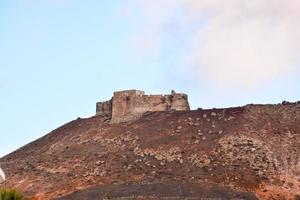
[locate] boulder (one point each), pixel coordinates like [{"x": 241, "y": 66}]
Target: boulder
[{"x": 2, "y": 176}]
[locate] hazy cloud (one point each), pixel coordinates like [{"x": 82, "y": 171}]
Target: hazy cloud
[{"x": 232, "y": 42}]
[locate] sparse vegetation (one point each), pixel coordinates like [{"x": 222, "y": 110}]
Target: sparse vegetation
[{"x": 7, "y": 194}]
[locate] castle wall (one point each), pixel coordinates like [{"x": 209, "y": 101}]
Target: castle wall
[
  {"x": 104, "y": 108},
  {"x": 131, "y": 104},
  {"x": 179, "y": 102}
]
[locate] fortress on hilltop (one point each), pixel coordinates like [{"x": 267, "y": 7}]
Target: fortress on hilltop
[{"x": 131, "y": 104}]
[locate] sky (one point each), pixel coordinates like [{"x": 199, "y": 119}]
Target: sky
[{"x": 59, "y": 57}]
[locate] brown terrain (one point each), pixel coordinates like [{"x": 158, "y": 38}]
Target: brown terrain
[{"x": 249, "y": 152}]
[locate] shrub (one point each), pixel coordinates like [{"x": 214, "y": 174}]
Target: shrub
[{"x": 6, "y": 194}]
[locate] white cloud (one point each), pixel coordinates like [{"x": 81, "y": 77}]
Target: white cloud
[{"x": 241, "y": 43}]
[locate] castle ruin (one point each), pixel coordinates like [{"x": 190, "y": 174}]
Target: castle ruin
[{"x": 131, "y": 104}]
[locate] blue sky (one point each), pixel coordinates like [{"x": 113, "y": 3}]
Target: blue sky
[{"x": 58, "y": 58}]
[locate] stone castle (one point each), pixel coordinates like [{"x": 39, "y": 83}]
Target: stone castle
[{"x": 129, "y": 105}]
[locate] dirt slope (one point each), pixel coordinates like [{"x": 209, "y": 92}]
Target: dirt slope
[{"x": 249, "y": 152}]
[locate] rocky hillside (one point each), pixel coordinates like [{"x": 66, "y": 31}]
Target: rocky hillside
[{"x": 249, "y": 152}]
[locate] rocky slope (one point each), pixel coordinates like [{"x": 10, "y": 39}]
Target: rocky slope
[{"x": 249, "y": 152}]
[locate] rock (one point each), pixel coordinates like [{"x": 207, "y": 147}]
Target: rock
[
  {"x": 100, "y": 162},
  {"x": 230, "y": 118},
  {"x": 203, "y": 138},
  {"x": 204, "y": 115},
  {"x": 207, "y": 162},
  {"x": 129, "y": 167},
  {"x": 286, "y": 103},
  {"x": 213, "y": 114},
  {"x": 179, "y": 127},
  {"x": 2, "y": 176}
]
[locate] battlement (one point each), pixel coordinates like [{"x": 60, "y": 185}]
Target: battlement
[
  {"x": 129, "y": 93},
  {"x": 129, "y": 105}
]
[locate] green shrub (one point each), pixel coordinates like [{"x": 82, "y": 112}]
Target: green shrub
[{"x": 6, "y": 194}]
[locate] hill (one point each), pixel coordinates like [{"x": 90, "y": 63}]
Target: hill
[{"x": 249, "y": 152}]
